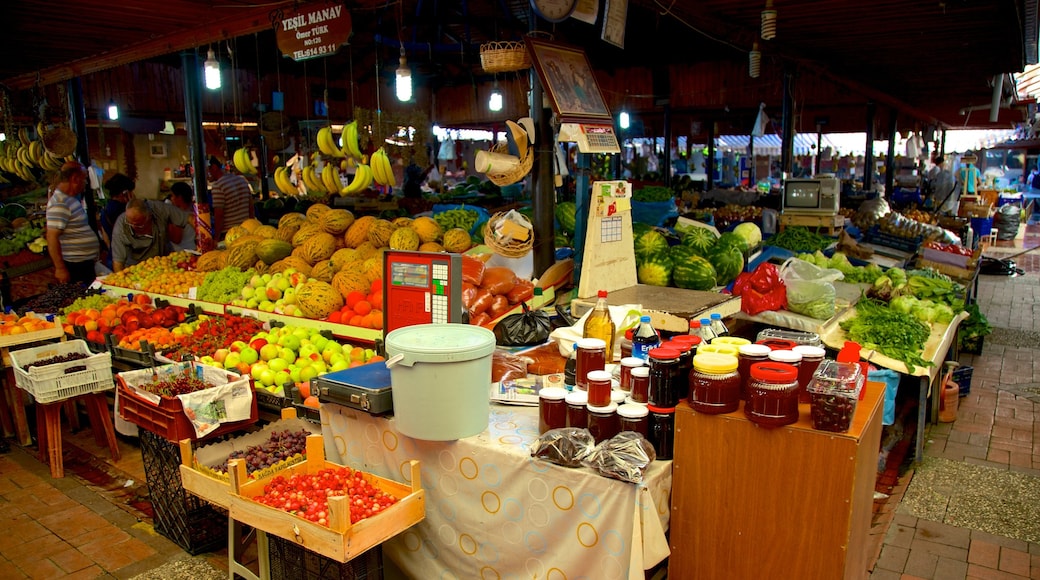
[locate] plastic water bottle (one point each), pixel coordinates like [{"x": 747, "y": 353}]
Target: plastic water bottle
[
  {"x": 644, "y": 339},
  {"x": 717, "y": 325},
  {"x": 706, "y": 332}
]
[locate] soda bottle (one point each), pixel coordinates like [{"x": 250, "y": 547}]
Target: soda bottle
[
  {"x": 599, "y": 324},
  {"x": 717, "y": 325},
  {"x": 706, "y": 332},
  {"x": 644, "y": 338}
]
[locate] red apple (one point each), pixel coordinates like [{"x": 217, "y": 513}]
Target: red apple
[{"x": 258, "y": 344}]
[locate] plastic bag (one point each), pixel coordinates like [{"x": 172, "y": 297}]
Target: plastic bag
[
  {"x": 891, "y": 380},
  {"x": 1006, "y": 221},
  {"x": 526, "y": 328},
  {"x": 472, "y": 270},
  {"x": 505, "y": 366},
  {"x": 626, "y": 456},
  {"x": 566, "y": 446},
  {"x": 810, "y": 289},
  {"x": 498, "y": 280},
  {"x": 522, "y": 292}
]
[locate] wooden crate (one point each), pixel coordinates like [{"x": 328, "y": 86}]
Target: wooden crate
[
  {"x": 831, "y": 223},
  {"x": 340, "y": 540},
  {"x": 204, "y": 485}
]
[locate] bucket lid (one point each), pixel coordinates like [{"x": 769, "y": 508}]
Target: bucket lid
[
  {"x": 632, "y": 362},
  {"x": 553, "y": 393},
  {"x": 438, "y": 343},
  {"x": 591, "y": 343},
  {"x": 715, "y": 363},
  {"x": 755, "y": 350},
  {"x": 719, "y": 348},
  {"x": 663, "y": 353}
]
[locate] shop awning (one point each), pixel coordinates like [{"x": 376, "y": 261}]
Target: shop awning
[{"x": 804, "y": 143}]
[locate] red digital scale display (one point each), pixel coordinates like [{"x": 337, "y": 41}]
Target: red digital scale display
[{"x": 421, "y": 288}]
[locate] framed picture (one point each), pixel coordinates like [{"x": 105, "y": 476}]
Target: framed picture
[
  {"x": 158, "y": 150},
  {"x": 567, "y": 77},
  {"x": 615, "y": 18}
]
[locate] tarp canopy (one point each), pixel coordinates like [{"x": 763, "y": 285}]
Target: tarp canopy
[{"x": 804, "y": 144}]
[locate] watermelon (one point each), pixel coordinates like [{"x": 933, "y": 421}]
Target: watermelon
[
  {"x": 655, "y": 272},
  {"x": 751, "y": 233},
  {"x": 649, "y": 244},
  {"x": 700, "y": 239},
  {"x": 728, "y": 263},
  {"x": 679, "y": 254},
  {"x": 562, "y": 240},
  {"x": 696, "y": 273},
  {"x": 730, "y": 239},
  {"x": 566, "y": 215}
]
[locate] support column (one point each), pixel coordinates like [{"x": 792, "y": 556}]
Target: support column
[
  {"x": 193, "y": 124},
  {"x": 819, "y": 151},
  {"x": 709, "y": 165},
  {"x": 890, "y": 162},
  {"x": 78, "y": 123},
  {"x": 787, "y": 142},
  {"x": 667, "y": 169},
  {"x": 868, "y": 155},
  {"x": 542, "y": 194}
]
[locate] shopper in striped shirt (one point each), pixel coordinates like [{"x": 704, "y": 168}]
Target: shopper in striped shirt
[
  {"x": 71, "y": 243},
  {"x": 232, "y": 199}
]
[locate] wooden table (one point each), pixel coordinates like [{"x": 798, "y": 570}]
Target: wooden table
[{"x": 782, "y": 503}]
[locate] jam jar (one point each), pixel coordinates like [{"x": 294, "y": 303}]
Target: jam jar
[
  {"x": 720, "y": 348},
  {"x": 592, "y": 356},
  {"x": 812, "y": 356},
  {"x": 772, "y": 394},
  {"x": 552, "y": 409},
  {"x": 714, "y": 384},
  {"x": 604, "y": 422},
  {"x": 635, "y": 417},
  {"x": 749, "y": 354},
  {"x": 599, "y": 388},
  {"x": 693, "y": 341},
  {"x": 682, "y": 380},
  {"x": 731, "y": 340},
  {"x": 577, "y": 409},
  {"x": 626, "y": 344},
  {"x": 640, "y": 392},
  {"x": 664, "y": 370},
  {"x": 627, "y": 364},
  {"x": 662, "y": 430},
  {"x": 778, "y": 343},
  {"x": 787, "y": 357}
]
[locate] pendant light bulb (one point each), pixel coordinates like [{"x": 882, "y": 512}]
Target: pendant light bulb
[
  {"x": 769, "y": 21},
  {"x": 495, "y": 100},
  {"x": 404, "y": 79},
  {"x": 623, "y": 120},
  {"x": 212, "y": 68},
  {"x": 113, "y": 110}
]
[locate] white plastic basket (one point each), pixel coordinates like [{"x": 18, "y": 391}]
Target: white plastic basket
[{"x": 50, "y": 383}]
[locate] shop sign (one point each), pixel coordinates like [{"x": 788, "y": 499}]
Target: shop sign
[{"x": 313, "y": 30}]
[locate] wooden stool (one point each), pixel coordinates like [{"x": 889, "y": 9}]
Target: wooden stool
[
  {"x": 48, "y": 430},
  {"x": 832, "y": 224}
]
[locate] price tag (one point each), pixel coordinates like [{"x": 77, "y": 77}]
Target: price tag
[
  {"x": 193, "y": 293},
  {"x": 96, "y": 284}
]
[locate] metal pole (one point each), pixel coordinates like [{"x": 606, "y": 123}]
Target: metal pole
[
  {"x": 193, "y": 124},
  {"x": 265, "y": 187},
  {"x": 890, "y": 162},
  {"x": 667, "y": 170},
  {"x": 819, "y": 150},
  {"x": 78, "y": 123},
  {"x": 868, "y": 156},
  {"x": 787, "y": 139},
  {"x": 709, "y": 167},
  {"x": 542, "y": 193},
  {"x": 752, "y": 173}
]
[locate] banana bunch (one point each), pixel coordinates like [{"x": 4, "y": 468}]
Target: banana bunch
[
  {"x": 312, "y": 181},
  {"x": 350, "y": 140},
  {"x": 283, "y": 182},
  {"x": 243, "y": 162},
  {"x": 330, "y": 178},
  {"x": 381, "y": 169},
  {"x": 38, "y": 245},
  {"x": 327, "y": 144},
  {"x": 17, "y": 159},
  {"x": 362, "y": 180}
]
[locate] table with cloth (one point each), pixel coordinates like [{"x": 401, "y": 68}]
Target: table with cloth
[{"x": 493, "y": 511}]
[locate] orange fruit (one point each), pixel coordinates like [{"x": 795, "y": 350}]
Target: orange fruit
[
  {"x": 363, "y": 307},
  {"x": 304, "y": 388},
  {"x": 336, "y": 316},
  {"x": 354, "y": 297},
  {"x": 312, "y": 402}
]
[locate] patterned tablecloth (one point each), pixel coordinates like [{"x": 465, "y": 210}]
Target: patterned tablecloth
[{"x": 492, "y": 511}]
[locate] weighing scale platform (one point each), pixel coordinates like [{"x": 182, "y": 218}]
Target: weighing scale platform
[
  {"x": 365, "y": 387},
  {"x": 677, "y": 302}
]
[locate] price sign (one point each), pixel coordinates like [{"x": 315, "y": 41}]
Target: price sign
[{"x": 313, "y": 30}]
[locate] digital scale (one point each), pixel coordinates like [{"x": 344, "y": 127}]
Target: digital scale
[
  {"x": 421, "y": 288},
  {"x": 591, "y": 138}
]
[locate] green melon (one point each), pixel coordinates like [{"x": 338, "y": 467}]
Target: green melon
[
  {"x": 730, "y": 239},
  {"x": 696, "y": 273},
  {"x": 649, "y": 244},
  {"x": 701, "y": 240},
  {"x": 655, "y": 272},
  {"x": 566, "y": 216},
  {"x": 728, "y": 263}
]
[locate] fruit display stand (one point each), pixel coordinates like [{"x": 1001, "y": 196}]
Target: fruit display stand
[
  {"x": 12, "y": 403},
  {"x": 186, "y": 302},
  {"x": 340, "y": 540},
  {"x": 345, "y": 331},
  {"x": 209, "y": 485}
]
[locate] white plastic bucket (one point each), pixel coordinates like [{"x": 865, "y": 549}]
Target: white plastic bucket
[{"x": 440, "y": 376}]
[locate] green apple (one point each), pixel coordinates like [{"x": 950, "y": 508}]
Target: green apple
[
  {"x": 207, "y": 360},
  {"x": 277, "y": 390},
  {"x": 249, "y": 355},
  {"x": 220, "y": 355},
  {"x": 339, "y": 365},
  {"x": 269, "y": 352},
  {"x": 252, "y": 303},
  {"x": 291, "y": 310},
  {"x": 247, "y": 292},
  {"x": 337, "y": 357},
  {"x": 256, "y": 281},
  {"x": 232, "y": 360},
  {"x": 319, "y": 342},
  {"x": 267, "y": 377},
  {"x": 308, "y": 373},
  {"x": 238, "y": 345},
  {"x": 290, "y": 341},
  {"x": 282, "y": 284},
  {"x": 306, "y": 351},
  {"x": 266, "y": 306},
  {"x": 369, "y": 353},
  {"x": 280, "y": 378},
  {"x": 266, "y": 278},
  {"x": 272, "y": 294},
  {"x": 289, "y": 295},
  {"x": 294, "y": 373},
  {"x": 256, "y": 369},
  {"x": 277, "y": 364},
  {"x": 287, "y": 355},
  {"x": 301, "y": 332},
  {"x": 320, "y": 366}
]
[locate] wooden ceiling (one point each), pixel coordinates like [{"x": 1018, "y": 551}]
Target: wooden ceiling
[{"x": 932, "y": 60}]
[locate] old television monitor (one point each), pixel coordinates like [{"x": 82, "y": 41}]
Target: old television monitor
[{"x": 812, "y": 196}]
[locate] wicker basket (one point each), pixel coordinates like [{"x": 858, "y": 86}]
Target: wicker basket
[
  {"x": 59, "y": 141},
  {"x": 510, "y": 249},
  {"x": 517, "y": 173},
  {"x": 496, "y": 57}
]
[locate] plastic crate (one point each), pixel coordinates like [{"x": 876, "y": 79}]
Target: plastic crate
[
  {"x": 271, "y": 402},
  {"x": 51, "y": 383},
  {"x": 290, "y": 560},
  {"x": 167, "y": 419},
  {"x": 191, "y": 523},
  {"x": 875, "y": 236},
  {"x": 962, "y": 376}
]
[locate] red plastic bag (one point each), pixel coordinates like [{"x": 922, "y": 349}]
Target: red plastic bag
[
  {"x": 481, "y": 302},
  {"x": 472, "y": 270},
  {"x": 522, "y": 292},
  {"x": 480, "y": 319},
  {"x": 469, "y": 294},
  {"x": 761, "y": 290},
  {"x": 498, "y": 280},
  {"x": 499, "y": 306}
]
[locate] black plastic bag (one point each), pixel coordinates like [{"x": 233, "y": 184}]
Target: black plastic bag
[
  {"x": 1007, "y": 220},
  {"x": 526, "y": 328}
]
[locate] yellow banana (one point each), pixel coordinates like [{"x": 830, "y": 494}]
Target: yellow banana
[
  {"x": 377, "y": 167},
  {"x": 282, "y": 181},
  {"x": 23, "y": 136},
  {"x": 350, "y": 140},
  {"x": 41, "y": 127},
  {"x": 355, "y": 184},
  {"x": 330, "y": 178},
  {"x": 36, "y": 152},
  {"x": 243, "y": 162},
  {"x": 312, "y": 180},
  {"x": 326, "y": 144},
  {"x": 387, "y": 169}
]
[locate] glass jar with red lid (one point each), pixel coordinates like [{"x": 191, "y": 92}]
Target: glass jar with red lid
[
  {"x": 626, "y": 344},
  {"x": 664, "y": 377},
  {"x": 748, "y": 355},
  {"x": 812, "y": 356},
  {"x": 682, "y": 380},
  {"x": 693, "y": 341},
  {"x": 577, "y": 409},
  {"x": 662, "y": 430},
  {"x": 772, "y": 394},
  {"x": 714, "y": 384},
  {"x": 778, "y": 343},
  {"x": 592, "y": 356},
  {"x": 604, "y": 422}
]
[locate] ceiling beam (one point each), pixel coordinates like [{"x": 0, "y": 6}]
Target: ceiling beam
[{"x": 246, "y": 21}]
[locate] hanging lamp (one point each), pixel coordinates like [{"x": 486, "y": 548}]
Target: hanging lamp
[
  {"x": 212, "y": 68},
  {"x": 404, "y": 79},
  {"x": 769, "y": 21},
  {"x": 113, "y": 110},
  {"x": 495, "y": 100}
]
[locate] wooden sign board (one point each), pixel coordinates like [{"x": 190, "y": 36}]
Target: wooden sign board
[
  {"x": 609, "y": 259},
  {"x": 313, "y": 30}
]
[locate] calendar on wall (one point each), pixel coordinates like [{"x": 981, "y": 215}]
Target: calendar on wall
[{"x": 608, "y": 258}]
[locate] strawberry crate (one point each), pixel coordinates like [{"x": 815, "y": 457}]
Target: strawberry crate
[
  {"x": 165, "y": 416},
  {"x": 55, "y": 382},
  {"x": 340, "y": 540},
  {"x": 200, "y": 478}
]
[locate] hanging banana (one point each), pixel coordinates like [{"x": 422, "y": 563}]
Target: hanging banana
[
  {"x": 362, "y": 180},
  {"x": 330, "y": 178},
  {"x": 350, "y": 140},
  {"x": 243, "y": 162},
  {"x": 327, "y": 144}
]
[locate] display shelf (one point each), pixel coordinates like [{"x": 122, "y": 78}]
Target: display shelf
[
  {"x": 368, "y": 335},
  {"x": 207, "y": 307},
  {"x": 340, "y": 540}
]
